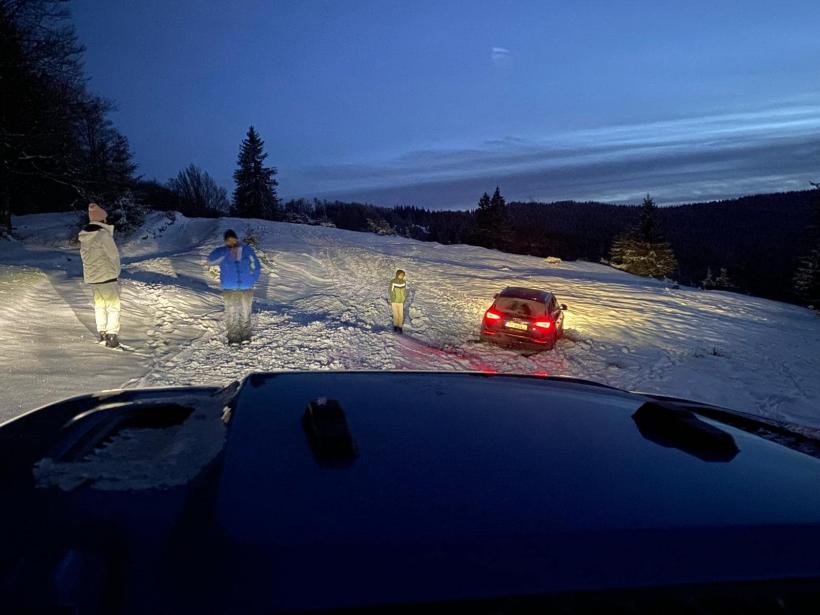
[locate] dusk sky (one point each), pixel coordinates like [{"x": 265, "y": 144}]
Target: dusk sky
[{"x": 432, "y": 103}]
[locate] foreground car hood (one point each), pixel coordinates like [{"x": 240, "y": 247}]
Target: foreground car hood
[{"x": 446, "y": 487}]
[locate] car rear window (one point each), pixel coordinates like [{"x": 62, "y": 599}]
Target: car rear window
[{"x": 520, "y": 307}]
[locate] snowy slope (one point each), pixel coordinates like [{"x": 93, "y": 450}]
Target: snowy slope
[{"x": 322, "y": 304}]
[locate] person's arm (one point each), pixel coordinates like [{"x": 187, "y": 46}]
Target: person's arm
[
  {"x": 216, "y": 257},
  {"x": 110, "y": 249},
  {"x": 257, "y": 266}
]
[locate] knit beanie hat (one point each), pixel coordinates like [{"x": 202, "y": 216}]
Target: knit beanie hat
[{"x": 96, "y": 213}]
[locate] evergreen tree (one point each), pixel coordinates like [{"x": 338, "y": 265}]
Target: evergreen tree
[
  {"x": 126, "y": 212},
  {"x": 806, "y": 278},
  {"x": 482, "y": 234},
  {"x": 642, "y": 251},
  {"x": 255, "y": 192},
  {"x": 708, "y": 282},
  {"x": 492, "y": 227},
  {"x": 647, "y": 227},
  {"x": 723, "y": 281},
  {"x": 121, "y": 164}
]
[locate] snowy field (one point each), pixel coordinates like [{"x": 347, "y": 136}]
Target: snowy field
[{"x": 321, "y": 304}]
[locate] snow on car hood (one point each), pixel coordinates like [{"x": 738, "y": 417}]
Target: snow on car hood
[{"x": 141, "y": 458}]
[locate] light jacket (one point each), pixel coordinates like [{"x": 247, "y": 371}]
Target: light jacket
[
  {"x": 398, "y": 290},
  {"x": 236, "y": 273},
  {"x": 101, "y": 259}
]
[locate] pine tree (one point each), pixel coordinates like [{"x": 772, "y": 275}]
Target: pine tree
[
  {"x": 806, "y": 280},
  {"x": 255, "y": 192},
  {"x": 642, "y": 251},
  {"x": 647, "y": 227},
  {"x": 492, "y": 227},
  {"x": 126, "y": 212},
  {"x": 483, "y": 215},
  {"x": 723, "y": 281},
  {"x": 121, "y": 164},
  {"x": 708, "y": 282}
]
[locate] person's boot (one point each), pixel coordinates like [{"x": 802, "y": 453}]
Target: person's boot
[
  {"x": 400, "y": 329},
  {"x": 395, "y": 329},
  {"x": 112, "y": 340},
  {"x": 102, "y": 337}
]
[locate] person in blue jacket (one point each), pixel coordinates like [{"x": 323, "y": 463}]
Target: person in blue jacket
[{"x": 239, "y": 270}]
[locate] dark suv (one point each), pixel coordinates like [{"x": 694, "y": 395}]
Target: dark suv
[{"x": 524, "y": 316}]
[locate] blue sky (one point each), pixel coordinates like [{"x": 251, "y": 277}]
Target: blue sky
[{"x": 433, "y": 102}]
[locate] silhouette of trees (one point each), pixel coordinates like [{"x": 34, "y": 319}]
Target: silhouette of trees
[
  {"x": 57, "y": 145},
  {"x": 807, "y": 275},
  {"x": 198, "y": 194}
]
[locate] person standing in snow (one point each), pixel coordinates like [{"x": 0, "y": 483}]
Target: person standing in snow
[
  {"x": 239, "y": 270},
  {"x": 398, "y": 293},
  {"x": 101, "y": 269}
]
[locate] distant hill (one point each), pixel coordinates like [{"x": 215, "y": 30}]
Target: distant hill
[{"x": 757, "y": 239}]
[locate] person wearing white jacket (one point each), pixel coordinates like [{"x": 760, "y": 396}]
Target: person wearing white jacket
[{"x": 101, "y": 269}]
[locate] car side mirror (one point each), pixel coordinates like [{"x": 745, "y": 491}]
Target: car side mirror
[{"x": 564, "y": 306}]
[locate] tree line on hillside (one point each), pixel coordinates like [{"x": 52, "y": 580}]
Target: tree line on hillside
[
  {"x": 59, "y": 148},
  {"x": 767, "y": 245},
  {"x": 57, "y": 143}
]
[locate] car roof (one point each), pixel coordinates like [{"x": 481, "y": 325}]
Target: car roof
[{"x": 531, "y": 294}]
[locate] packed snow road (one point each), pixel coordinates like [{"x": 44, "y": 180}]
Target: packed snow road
[{"x": 322, "y": 304}]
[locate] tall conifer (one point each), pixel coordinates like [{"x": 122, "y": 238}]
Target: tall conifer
[{"x": 255, "y": 192}]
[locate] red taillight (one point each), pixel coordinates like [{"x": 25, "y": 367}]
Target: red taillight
[
  {"x": 490, "y": 315},
  {"x": 543, "y": 324}
]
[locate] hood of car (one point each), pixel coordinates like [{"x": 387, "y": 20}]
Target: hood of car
[{"x": 319, "y": 490}]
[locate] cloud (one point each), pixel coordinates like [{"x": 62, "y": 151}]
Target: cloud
[
  {"x": 699, "y": 158},
  {"x": 499, "y": 55}
]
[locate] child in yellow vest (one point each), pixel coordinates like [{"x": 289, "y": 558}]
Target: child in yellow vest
[{"x": 398, "y": 293}]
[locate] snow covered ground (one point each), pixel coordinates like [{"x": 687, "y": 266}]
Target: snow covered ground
[{"x": 321, "y": 304}]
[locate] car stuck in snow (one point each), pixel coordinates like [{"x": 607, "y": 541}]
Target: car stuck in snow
[{"x": 524, "y": 316}]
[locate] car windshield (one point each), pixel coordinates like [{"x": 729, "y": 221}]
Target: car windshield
[
  {"x": 523, "y": 308},
  {"x": 322, "y": 185}
]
